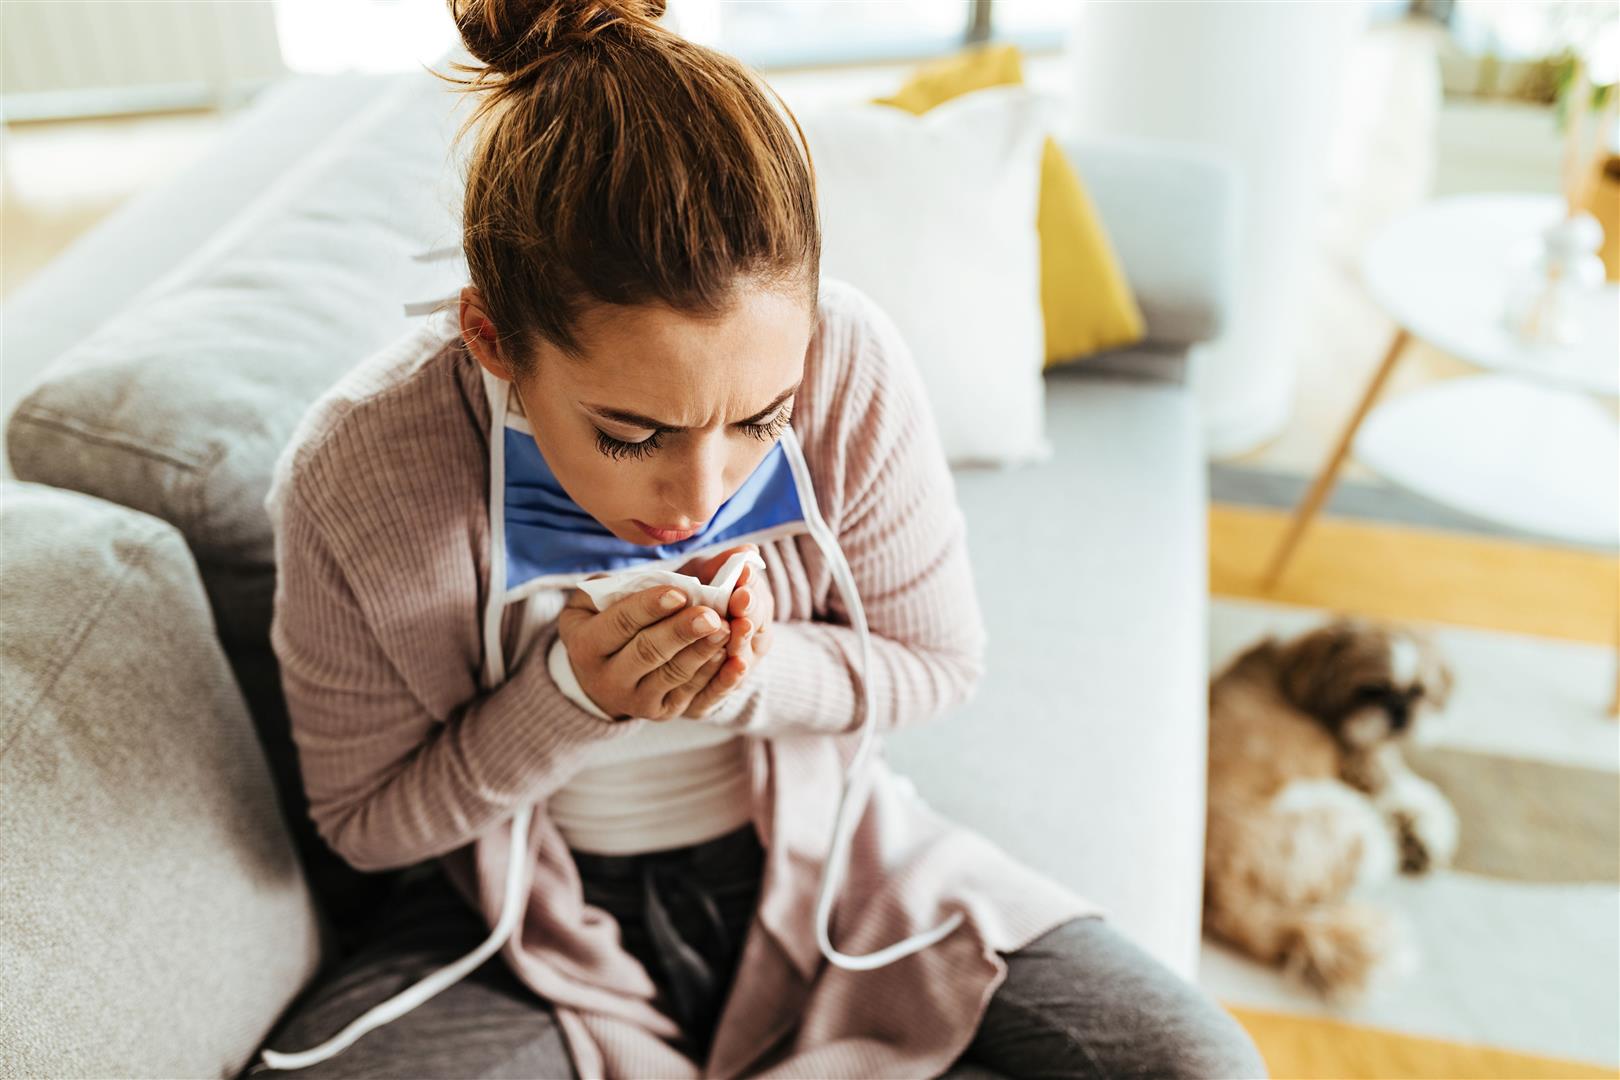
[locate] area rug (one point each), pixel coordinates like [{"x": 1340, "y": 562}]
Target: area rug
[{"x": 1518, "y": 943}]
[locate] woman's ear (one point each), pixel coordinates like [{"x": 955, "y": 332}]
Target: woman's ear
[{"x": 478, "y": 333}]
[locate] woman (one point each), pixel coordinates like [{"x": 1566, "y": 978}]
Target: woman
[{"x": 637, "y": 803}]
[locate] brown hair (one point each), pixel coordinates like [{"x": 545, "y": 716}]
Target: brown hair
[{"x": 619, "y": 163}]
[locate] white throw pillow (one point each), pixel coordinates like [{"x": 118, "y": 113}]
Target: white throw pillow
[{"x": 933, "y": 216}]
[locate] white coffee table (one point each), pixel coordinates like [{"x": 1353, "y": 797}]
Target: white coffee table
[{"x": 1532, "y": 441}]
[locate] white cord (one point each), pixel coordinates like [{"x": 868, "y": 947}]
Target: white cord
[
  {"x": 856, "y": 777},
  {"x": 408, "y": 999}
]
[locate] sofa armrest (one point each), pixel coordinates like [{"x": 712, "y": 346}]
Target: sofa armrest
[
  {"x": 1171, "y": 210},
  {"x": 156, "y": 921}
]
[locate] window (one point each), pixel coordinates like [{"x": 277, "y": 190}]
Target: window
[
  {"x": 770, "y": 34},
  {"x": 400, "y": 35}
]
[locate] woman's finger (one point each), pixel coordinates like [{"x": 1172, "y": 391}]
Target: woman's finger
[
  {"x": 724, "y": 680},
  {"x": 681, "y": 668},
  {"x": 681, "y": 697},
  {"x": 740, "y": 629}
]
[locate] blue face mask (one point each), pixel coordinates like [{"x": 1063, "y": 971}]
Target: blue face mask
[
  {"x": 551, "y": 542},
  {"x": 548, "y": 541}
]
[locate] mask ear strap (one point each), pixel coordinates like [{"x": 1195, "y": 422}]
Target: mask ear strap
[
  {"x": 408, "y": 999},
  {"x": 438, "y": 254},
  {"x": 448, "y": 251},
  {"x": 857, "y": 777},
  {"x": 496, "y": 392},
  {"x": 428, "y": 307}
]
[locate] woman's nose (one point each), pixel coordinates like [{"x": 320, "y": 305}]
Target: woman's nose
[{"x": 698, "y": 486}]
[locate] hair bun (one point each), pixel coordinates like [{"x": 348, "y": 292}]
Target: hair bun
[{"x": 510, "y": 35}]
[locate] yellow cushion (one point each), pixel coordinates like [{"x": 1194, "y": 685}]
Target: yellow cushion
[{"x": 1086, "y": 301}]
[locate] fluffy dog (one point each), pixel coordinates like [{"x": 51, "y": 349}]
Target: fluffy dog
[{"x": 1309, "y": 796}]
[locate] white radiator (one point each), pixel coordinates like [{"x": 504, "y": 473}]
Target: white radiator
[{"x": 101, "y": 57}]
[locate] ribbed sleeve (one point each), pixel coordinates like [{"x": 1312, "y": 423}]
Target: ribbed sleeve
[
  {"x": 897, "y": 520},
  {"x": 390, "y": 784}
]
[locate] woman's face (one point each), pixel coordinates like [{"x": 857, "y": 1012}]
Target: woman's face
[{"x": 666, "y": 415}]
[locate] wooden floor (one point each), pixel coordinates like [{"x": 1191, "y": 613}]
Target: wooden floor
[{"x": 1405, "y": 573}]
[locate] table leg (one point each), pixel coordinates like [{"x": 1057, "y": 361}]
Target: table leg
[
  {"x": 1329, "y": 473},
  {"x": 1614, "y": 702}
]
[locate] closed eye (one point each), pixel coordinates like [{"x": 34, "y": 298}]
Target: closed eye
[{"x": 623, "y": 448}]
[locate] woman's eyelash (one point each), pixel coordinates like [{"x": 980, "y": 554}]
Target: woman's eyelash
[
  {"x": 619, "y": 448},
  {"x": 771, "y": 428}
]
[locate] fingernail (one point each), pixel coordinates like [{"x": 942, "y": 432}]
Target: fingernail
[
  {"x": 718, "y": 637},
  {"x": 671, "y": 600},
  {"x": 706, "y": 622}
]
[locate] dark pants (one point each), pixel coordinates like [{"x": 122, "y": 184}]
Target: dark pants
[{"x": 1079, "y": 1001}]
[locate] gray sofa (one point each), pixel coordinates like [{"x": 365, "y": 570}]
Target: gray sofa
[{"x": 166, "y": 896}]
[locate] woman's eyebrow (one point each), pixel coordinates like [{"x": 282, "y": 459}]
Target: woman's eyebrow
[{"x": 635, "y": 419}]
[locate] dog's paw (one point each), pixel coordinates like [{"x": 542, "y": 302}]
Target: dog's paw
[
  {"x": 1424, "y": 822},
  {"x": 1415, "y": 857},
  {"x": 1338, "y": 949}
]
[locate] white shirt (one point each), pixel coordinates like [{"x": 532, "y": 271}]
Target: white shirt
[{"x": 674, "y": 782}]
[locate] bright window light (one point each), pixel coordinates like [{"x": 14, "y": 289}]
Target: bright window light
[{"x": 329, "y": 36}]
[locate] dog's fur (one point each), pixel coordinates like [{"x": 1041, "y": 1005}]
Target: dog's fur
[{"x": 1309, "y": 796}]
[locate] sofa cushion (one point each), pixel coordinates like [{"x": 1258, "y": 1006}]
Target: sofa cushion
[
  {"x": 967, "y": 298},
  {"x": 1086, "y": 301},
  {"x": 155, "y": 919},
  {"x": 1174, "y": 220},
  {"x": 1087, "y": 736}
]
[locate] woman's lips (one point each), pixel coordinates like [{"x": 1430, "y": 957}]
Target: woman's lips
[{"x": 664, "y": 536}]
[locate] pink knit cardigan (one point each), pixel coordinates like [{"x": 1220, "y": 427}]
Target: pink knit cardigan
[{"x": 382, "y": 542}]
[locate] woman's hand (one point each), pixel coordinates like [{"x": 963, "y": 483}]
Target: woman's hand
[
  {"x": 750, "y": 612},
  {"x": 639, "y": 657}
]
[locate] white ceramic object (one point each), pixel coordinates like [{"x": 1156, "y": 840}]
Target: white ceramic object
[
  {"x": 1545, "y": 305},
  {"x": 1444, "y": 271}
]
